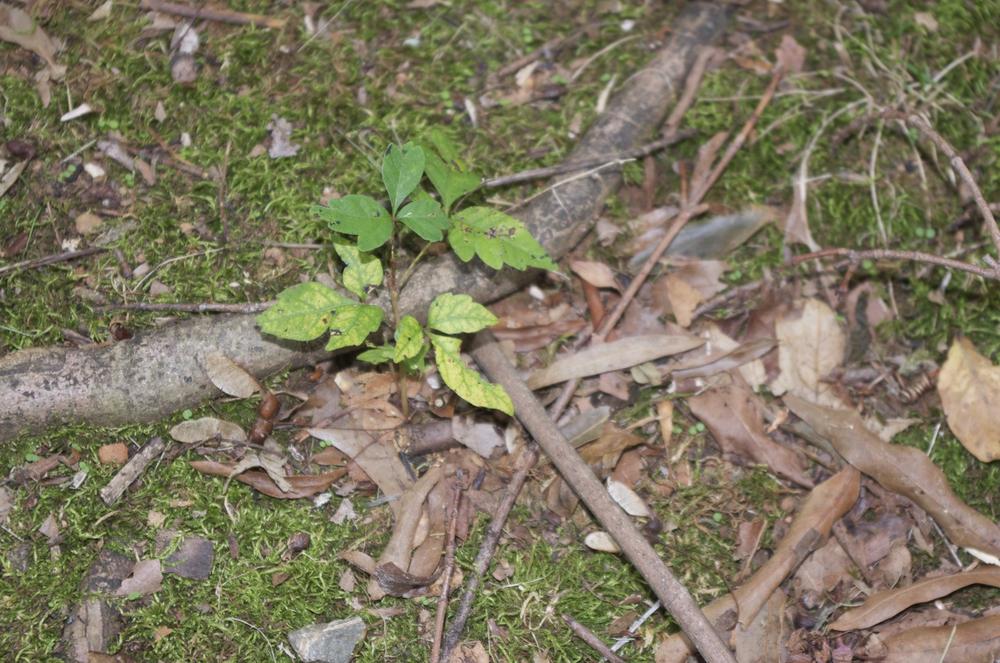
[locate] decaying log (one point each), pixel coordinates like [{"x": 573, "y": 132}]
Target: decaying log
[{"x": 159, "y": 372}]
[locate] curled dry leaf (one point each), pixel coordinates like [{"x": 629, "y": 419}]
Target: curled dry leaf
[
  {"x": 304, "y": 485},
  {"x": 903, "y": 470},
  {"x": 207, "y": 428},
  {"x": 976, "y": 641},
  {"x": 595, "y": 273},
  {"x": 228, "y": 376},
  {"x": 811, "y": 343},
  {"x": 889, "y": 603},
  {"x": 734, "y": 415},
  {"x": 613, "y": 356},
  {"x": 825, "y": 505},
  {"x": 18, "y": 27},
  {"x": 969, "y": 386}
]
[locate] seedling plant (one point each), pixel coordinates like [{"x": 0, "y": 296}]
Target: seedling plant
[{"x": 369, "y": 237}]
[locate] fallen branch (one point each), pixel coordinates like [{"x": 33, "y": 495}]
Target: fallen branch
[
  {"x": 580, "y": 477},
  {"x": 213, "y": 14},
  {"x": 206, "y": 307},
  {"x": 132, "y": 470},
  {"x": 158, "y": 373},
  {"x": 854, "y": 257}
]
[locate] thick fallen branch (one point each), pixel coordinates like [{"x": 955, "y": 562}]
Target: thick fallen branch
[{"x": 160, "y": 372}]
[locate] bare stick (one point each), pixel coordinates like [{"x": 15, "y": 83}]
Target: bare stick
[
  {"x": 449, "y": 568},
  {"x": 691, "y": 85},
  {"x": 51, "y": 260},
  {"x": 580, "y": 477},
  {"x": 209, "y": 14},
  {"x": 611, "y": 159},
  {"x": 956, "y": 162},
  {"x": 912, "y": 256},
  {"x": 207, "y": 307},
  {"x": 523, "y": 465},
  {"x": 132, "y": 470},
  {"x": 591, "y": 639}
]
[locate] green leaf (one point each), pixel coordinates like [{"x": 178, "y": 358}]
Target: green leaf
[
  {"x": 360, "y": 269},
  {"x": 402, "y": 169},
  {"x": 451, "y": 183},
  {"x": 425, "y": 217},
  {"x": 377, "y": 355},
  {"x": 409, "y": 339},
  {"x": 361, "y": 216},
  {"x": 467, "y": 383},
  {"x": 302, "y": 312},
  {"x": 351, "y": 324},
  {"x": 497, "y": 238},
  {"x": 417, "y": 364},
  {"x": 458, "y": 314}
]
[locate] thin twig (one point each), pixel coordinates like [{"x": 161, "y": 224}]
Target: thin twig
[
  {"x": 449, "y": 568},
  {"x": 206, "y": 307},
  {"x": 51, "y": 260},
  {"x": 889, "y": 254},
  {"x": 692, "y": 83},
  {"x": 611, "y": 159},
  {"x": 591, "y": 639},
  {"x": 218, "y": 15},
  {"x": 578, "y": 475},
  {"x": 522, "y": 466}
]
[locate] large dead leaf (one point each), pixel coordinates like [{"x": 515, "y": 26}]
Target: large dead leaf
[
  {"x": 825, "y": 505},
  {"x": 301, "y": 485},
  {"x": 683, "y": 298},
  {"x": 720, "y": 354},
  {"x": 375, "y": 455},
  {"x": 146, "y": 578},
  {"x": 969, "y": 386},
  {"x": 976, "y": 641},
  {"x": 17, "y": 27},
  {"x": 596, "y": 274},
  {"x": 811, "y": 343},
  {"x": 904, "y": 470},
  {"x": 734, "y": 415},
  {"x": 883, "y": 605},
  {"x": 228, "y": 376},
  {"x": 763, "y": 640},
  {"x": 613, "y": 356},
  {"x": 207, "y": 428}
]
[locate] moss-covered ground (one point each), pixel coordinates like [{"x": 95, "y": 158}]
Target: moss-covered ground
[{"x": 388, "y": 72}]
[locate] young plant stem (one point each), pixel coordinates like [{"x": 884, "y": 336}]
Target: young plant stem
[
  {"x": 394, "y": 288},
  {"x": 413, "y": 263}
]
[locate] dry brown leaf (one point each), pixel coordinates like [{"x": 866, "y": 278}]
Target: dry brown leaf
[
  {"x": 683, "y": 298},
  {"x": 702, "y": 275},
  {"x": 88, "y": 223},
  {"x": 113, "y": 454},
  {"x": 601, "y": 542},
  {"x": 811, "y": 343},
  {"x": 825, "y": 505},
  {"x": 734, "y": 415},
  {"x": 302, "y": 485},
  {"x": 207, "y": 428},
  {"x": 720, "y": 354},
  {"x": 790, "y": 56},
  {"x": 595, "y": 273},
  {"x": 762, "y": 641},
  {"x": 17, "y": 27},
  {"x": 629, "y": 500},
  {"x": 613, "y": 356},
  {"x": 903, "y": 470},
  {"x": 706, "y": 157},
  {"x": 976, "y": 641},
  {"x": 375, "y": 455},
  {"x": 889, "y": 603},
  {"x": 231, "y": 378},
  {"x": 146, "y": 578},
  {"x": 823, "y": 570},
  {"x": 969, "y": 385}
]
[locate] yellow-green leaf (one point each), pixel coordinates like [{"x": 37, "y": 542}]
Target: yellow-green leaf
[
  {"x": 351, "y": 324},
  {"x": 458, "y": 314},
  {"x": 467, "y": 383},
  {"x": 302, "y": 312},
  {"x": 360, "y": 269},
  {"x": 409, "y": 339}
]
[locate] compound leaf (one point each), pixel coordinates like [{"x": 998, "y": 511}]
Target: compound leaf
[
  {"x": 360, "y": 269},
  {"x": 402, "y": 169},
  {"x": 302, "y": 312},
  {"x": 458, "y": 314},
  {"x": 409, "y": 339},
  {"x": 358, "y": 215},
  {"x": 497, "y": 238},
  {"x": 425, "y": 217},
  {"x": 351, "y": 324},
  {"x": 467, "y": 383}
]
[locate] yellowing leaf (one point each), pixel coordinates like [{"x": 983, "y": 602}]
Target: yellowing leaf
[
  {"x": 969, "y": 386},
  {"x": 409, "y": 339},
  {"x": 497, "y": 238},
  {"x": 302, "y": 312},
  {"x": 360, "y": 269},
  {"x": 457, "y": 314},
  {"x": 351, "y": 324},
  {"x": 467, "y": 383}
]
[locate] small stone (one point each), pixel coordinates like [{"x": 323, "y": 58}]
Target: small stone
[{"x": 328, "y": 643}]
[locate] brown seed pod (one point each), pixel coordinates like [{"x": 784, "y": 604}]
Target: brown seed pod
[{"x": 269, "y": 405}]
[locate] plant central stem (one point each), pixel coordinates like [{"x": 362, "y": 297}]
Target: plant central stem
[{"x": 404, "y": 401}]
